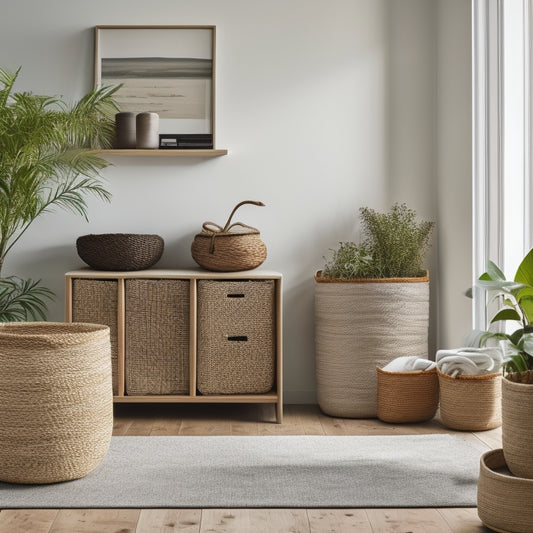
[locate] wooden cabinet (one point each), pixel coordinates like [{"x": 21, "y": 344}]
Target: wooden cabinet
[{"x": 187, "y": 335}]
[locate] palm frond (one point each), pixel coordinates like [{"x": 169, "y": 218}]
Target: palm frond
[{"x": 23, "y": 300}]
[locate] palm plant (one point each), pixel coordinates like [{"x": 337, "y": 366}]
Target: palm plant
[{"x": 46, "y": 161}]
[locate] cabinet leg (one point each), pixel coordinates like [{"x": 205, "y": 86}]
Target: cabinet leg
[{"x": 279, "y": 412}]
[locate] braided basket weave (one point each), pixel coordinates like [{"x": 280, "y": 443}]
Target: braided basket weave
[
  {"x": 120, "y": 251},
  {"x": 517, "y": 431},
  {"x": 503, "y": 500},
  {"x": 470, "y": 403},
  {"x": 56, "y": 414},
  {"x": 405, "y": 397},
  {"x": 232, "y": 248}
]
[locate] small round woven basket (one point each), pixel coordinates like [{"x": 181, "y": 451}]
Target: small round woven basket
[
  {"x": 120, "y": 251},
  {"x": 517, "y": 430},
  {"x": 405, "y": 397},
  {"x": 503, "y": 500},
  {"x": 470, "y": 403},
  {"x": 56, "y": 399},
  {"x": 232, "y": 248}
]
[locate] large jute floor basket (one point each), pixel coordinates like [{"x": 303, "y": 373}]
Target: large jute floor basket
[
  {"x": 56, "y": 414},
  {"x": 405, "y": 397},
  {"x": 517, "y": 427},
  {"x": 470, "y": 403},
  {"x": 503, "y": 500},
  {"x": 361, "y": 325}
]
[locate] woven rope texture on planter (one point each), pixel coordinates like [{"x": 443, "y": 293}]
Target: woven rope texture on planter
[
  {"x": 503, "y": 500},
  {"x": 517, "y": 428},
  {"x": 56, "y": 414},
  {"x": 361, "y": 325}
]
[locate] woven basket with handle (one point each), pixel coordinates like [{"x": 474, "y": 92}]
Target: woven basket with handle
[{"x": 232, "y": 248}]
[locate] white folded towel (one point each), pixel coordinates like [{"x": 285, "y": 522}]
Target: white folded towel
[
  {"x": 469, "y": 361},
  {"x": 410, "y": 363}
]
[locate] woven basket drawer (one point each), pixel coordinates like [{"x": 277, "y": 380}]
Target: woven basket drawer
[
  {"x": 95, "y": 301},
  {"x": 157, "y": 336},
  {"x": 236, "y": 328}
]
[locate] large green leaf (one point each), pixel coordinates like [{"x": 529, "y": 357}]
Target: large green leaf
[
  {"x": 506, "y": 314},
  {"x": 524, "y": 274},
  {"x": 526, "y": 303}
]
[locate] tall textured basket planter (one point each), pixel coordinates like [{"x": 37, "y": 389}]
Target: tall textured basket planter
[
  {"x": 56, "y": 414},
  {"x": 361, "y": 325},
  {"x": 470, "y": 403},
  {"x": 517, "y": 432}
]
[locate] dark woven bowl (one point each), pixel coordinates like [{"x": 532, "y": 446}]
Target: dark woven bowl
[{"x": 120, "y": 251}]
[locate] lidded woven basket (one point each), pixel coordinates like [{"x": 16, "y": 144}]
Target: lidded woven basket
[
  {"x": 231, "y": 248},
  {"x": 120, "y": 251}
]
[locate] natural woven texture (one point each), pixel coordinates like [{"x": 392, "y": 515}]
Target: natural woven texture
[
  {"x": 95, "y": 301},
  {"x": 361, "y": 326},
  {"x": 236, "y": 331},
  {"x": 407, "y": 396},
  {"x": 470, "y": 403},
  {"x": 517, "y": 427},
  {"x": 504, "y": 501},
  {"x": 56, "y": 401},
  {"x": 229, "y": 252},
  {"x": 120, "y": 251},
  {"x": 157, "y": 336}
]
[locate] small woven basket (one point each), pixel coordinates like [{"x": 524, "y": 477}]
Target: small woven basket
[
  {"x": 470, "y": 403},
  {"x": 517, "y": 431},
  {"x": 503, "y": 500},
  {"x": 56, "y": 414},
  {"x": 405, "y": 397},
  {"x": 232, "y": 248},
  {"x": 120, "y": 251}
]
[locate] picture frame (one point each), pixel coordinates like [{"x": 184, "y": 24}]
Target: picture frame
[{"x": 168, "y": 70}]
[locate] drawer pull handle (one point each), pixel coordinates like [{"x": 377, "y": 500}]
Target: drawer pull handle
[
  {"x": 235, "y": 295},
  {"x": 238, "y": 338}
]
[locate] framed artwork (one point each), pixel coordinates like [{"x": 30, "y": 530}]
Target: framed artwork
[{"x": 168, "y": 70}]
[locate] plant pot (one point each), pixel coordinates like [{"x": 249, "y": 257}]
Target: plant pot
[
  {"x": 405, "y": 397},
  {"x": 470, "y": 403},
  {"x": 503, "y": 500},
  {"x": 361, "y": 325},
  {"x": 56, "y": 417},
  {"x": 517, "y": 430}
]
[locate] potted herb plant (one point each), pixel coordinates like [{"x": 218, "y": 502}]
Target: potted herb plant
[
  {"x": 371, "y": 306},
  {"x": 514, "y": 300},
  {"x": 45, "y": 161}
]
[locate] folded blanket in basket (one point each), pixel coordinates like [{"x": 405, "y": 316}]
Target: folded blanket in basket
[
  {"x": 469, "y": 361},
  {"x": 410, "y": 363}
]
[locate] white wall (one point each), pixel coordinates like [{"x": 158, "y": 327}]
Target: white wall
[{"x": 308, "y": 109}]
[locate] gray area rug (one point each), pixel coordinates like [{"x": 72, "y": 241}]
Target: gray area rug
[{"x": 272, "y": 471}]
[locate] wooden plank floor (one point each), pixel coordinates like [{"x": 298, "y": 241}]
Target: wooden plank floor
[{"x": 182, "y": 419}]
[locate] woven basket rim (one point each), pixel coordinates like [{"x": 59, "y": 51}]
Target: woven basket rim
[
  {"x": 418, "y": 279},
  {"x": 498, "y": 455},
  {"x": 414, "y": 373},
  {"x": 517, "y": 384},
  {"x": 108, "y": 235},
  {"x": 469, "y": 378},
  {"x": 13, "y": 329}
]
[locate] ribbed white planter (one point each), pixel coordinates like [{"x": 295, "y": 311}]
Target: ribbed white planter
[{"x": 361, "y": 325}]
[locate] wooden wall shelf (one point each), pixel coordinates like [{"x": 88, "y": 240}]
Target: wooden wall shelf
[{"x": 163, "y": 153}]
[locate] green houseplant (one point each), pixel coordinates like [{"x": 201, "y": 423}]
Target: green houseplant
[
  {"x": 514, "y": 305},
  {"x": 46, "y": 161},
  {"x": 371, "y": 305}
]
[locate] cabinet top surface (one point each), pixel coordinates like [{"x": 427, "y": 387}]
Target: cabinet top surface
[{"x": 194, "y": 273}]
